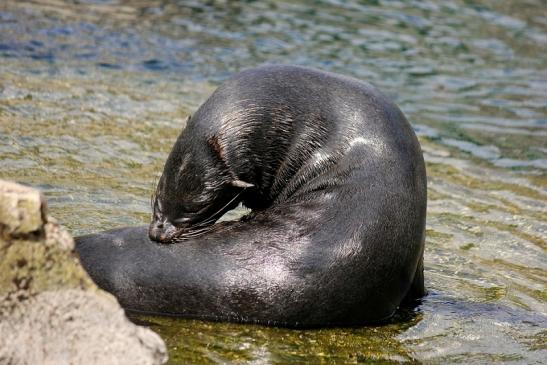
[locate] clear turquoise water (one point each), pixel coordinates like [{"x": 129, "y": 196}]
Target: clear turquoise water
[{"x": 93, "y": 95}]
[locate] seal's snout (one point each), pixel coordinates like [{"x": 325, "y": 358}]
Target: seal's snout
[
  {"x": 154, "y": 231},
  {"x": 161, "y": 231}
]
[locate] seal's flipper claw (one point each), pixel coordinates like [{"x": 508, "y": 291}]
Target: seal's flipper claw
[{"x": 241, "y": 184}]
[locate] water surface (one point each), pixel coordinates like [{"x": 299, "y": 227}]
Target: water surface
[{"x": 94, "y": 93}]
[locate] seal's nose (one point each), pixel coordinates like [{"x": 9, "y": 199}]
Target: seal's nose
[
  {"x": 156, "y": 231},
  {"x": 161, "y": 231}
]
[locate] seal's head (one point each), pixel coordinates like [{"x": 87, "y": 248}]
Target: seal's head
[{"x": 192, "y": 193}]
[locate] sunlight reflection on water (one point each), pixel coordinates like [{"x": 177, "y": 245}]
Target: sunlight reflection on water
[{"x": 93, "y": 95}]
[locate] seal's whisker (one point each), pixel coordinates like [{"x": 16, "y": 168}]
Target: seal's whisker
[
  {"x": 154, "y": 193},
  {"x": 211, "y": 217},
  {"x": 204, "y": 223},
  {"x": 193, "y": 231},
  {"x": 191, "y": 234}
]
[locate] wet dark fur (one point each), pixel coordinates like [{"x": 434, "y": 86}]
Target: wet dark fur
[{"x": 336, "y": 180}]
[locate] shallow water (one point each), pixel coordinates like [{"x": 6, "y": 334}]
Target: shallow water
[{"x": 93, "y": 95}]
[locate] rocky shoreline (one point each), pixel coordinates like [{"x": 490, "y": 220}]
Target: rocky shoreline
[{"x": 50, "y": 310}]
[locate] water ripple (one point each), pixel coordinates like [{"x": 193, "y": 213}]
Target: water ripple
[{"x": 94, "y": 93}]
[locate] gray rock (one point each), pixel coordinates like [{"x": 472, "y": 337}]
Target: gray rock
[{"x": 50, "y": 310}]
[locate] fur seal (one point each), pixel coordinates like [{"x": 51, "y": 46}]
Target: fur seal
[{"x": 336, "y": 181}]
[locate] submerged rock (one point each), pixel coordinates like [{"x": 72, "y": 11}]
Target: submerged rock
[{"x": 50, "y": 310}]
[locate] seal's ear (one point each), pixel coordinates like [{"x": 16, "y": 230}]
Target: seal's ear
[
  {"x": 216, "y": 148},
  {"x": 241, "y": 184}
]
